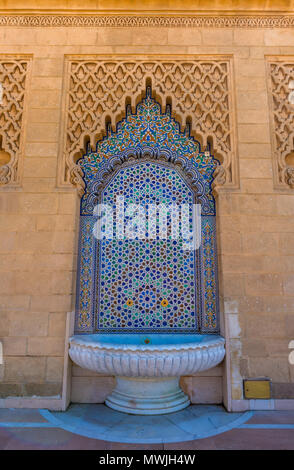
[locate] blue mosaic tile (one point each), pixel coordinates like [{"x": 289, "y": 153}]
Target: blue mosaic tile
[
  {"x": 147, "y": 284},
  {"x": 150, "y": 283},
  {"x": 151, "y": 131}
]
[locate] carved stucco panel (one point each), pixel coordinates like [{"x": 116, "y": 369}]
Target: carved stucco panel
[
  {"x": 199, "y": 91},
  {"x": 14, "y": 77},
  {"x": 164, "y": 21},
  {"x": 281, "y": 98}
]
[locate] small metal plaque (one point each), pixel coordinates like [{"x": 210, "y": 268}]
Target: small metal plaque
[{"x": 259, "y": 388}]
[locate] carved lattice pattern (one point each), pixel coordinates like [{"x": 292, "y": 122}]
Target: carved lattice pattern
[
  {"x": 199, "y": 92},
  {"x": 163, "y": 21},
  {"x": 281, "y": 91},
  {"x": 13, "y": 79}
]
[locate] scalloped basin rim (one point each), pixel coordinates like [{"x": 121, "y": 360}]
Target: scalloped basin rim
[
  {"x": 135, "y": 342},
  {"x": 147, "y": 375}
]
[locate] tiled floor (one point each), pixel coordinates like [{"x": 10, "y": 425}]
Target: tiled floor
[
  {"x": 28, "y": 429},
  {"x": 101, "y": 422}
]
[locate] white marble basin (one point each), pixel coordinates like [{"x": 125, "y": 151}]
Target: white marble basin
[{"x": 147, "y": 367}]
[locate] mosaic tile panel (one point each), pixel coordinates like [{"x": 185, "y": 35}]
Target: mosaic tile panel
[
  {"x": 209, "y": 280},
  {"x": 149, "y": 131},
  {"x": 147, "y": 283},
  {"x": 148, "y": 143},
  {"x": 85, "y": 276}
]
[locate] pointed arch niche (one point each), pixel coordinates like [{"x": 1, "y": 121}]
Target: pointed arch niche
[{"x": 147, "y": 285}]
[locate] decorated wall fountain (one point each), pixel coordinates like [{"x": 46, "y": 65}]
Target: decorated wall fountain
[{"x": 147, "y": 301}]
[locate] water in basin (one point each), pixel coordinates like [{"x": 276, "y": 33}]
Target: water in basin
[
  {"x": 147, "y": 339},
  {"x": 147, "y": 367}
]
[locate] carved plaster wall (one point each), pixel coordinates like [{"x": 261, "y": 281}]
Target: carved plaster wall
[
  {"x": 198, "y": 89},
  {"x": 281, "y": 96},
  {"x": 14, "y": 75},
  {"x": 169, "y": 21}
]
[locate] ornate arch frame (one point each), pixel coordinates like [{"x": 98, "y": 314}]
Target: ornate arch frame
[
  {"x": 176, "y": 149},
  {"x": 197, "y": 90}
]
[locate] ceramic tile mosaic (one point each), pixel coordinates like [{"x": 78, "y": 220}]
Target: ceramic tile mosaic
[
  {"x": 147, "y": 284},
  {"x": 152, "y": 132}
]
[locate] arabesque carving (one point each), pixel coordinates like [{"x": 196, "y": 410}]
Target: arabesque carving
[
  {"x": 13, "y": 78},
  {"x": 290, "y": 176},
  {"x": 164, "y": 21},
  {"x": 281, "y": 83},
  {"x": 198, "y": 90}
]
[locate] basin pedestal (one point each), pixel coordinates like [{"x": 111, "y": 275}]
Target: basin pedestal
[
  {"x": 147, "y": 373},
  {"x": 147, "y": 396}
]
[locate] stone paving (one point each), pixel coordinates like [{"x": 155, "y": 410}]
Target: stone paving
[{"x": 42, "y": 430}]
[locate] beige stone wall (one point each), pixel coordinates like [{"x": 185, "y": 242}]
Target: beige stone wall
[
  {"x": 39, "y": 220},
  {"x": 165, "y": 6},
  {"x": 205, "y": 387}
]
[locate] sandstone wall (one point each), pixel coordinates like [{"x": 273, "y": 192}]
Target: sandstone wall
[{"x": 39, "y": 219}]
